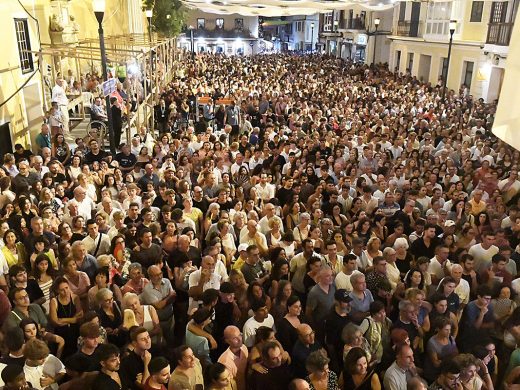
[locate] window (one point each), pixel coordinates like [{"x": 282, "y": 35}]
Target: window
[
  {"x": 219, "y": 24},
  {"x": 398, "y": 60},
  {"x": 239, "y": 24},
  {"x": 476, "y": 11},
  {"x": 201, "y": 24},
  {"x": 327, "y": 21},
  {"x": 24, "y": 43},
  {"x": 467, "y": 73},
  {"x": 299, "y": 26},
  {"x": 402, "y": 11},
  {"x": 438, "y": 18}
]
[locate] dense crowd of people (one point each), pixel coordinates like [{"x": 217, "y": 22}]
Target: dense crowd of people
[{"x": 323, "y": 225}]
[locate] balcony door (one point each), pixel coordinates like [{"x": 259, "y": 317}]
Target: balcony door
[{"x": 414, "y": 19}]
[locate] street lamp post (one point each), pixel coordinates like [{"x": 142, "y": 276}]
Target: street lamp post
[
  {"x": 453, "y": 27},
  {"x": 377, "y": 21},
  {"x": 192, "y": 43},
  {"x": 312, "y": 37},
  {"x": 149, "y": 14},
  {"x": 336, "y": 24},
  {"x": 99, "y": 11}
]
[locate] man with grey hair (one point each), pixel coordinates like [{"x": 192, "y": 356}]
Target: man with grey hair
[
  {"x": 408, "y": 321},
  {"x": 46, "y": 155},
  {"x": 361, "y": 298},
  {"x": 25, "y": 178},
  {"x": 84, "y": 203},
  {"x": 254, "y": 236},
  {"x": 462, "y": 289},
  {"x": 392, "y": 272},
  {"x": 37, "y": 165},
  {"x": 269, "y": 213},
  {"x": 160, "y": 294},
  {"x": 320, "y": 301}
]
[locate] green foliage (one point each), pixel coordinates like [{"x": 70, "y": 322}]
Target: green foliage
[
  {"x": 168, "y": 26},
  {"x": 148, "y": 4}
]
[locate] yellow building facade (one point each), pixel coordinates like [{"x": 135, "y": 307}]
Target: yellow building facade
[
  {"x": 420, "y": 36},
  {"x": 47, "y": 25}
]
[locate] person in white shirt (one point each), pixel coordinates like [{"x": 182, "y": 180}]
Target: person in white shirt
[
  {"x": 265, "y": 190},
  {"x": 462, "y": 289},
  {"x": 84, "y": 204},
  {"x": 342, "y": 280},
  {"x": 42, "y": 369},
  {"x": 239, "y": 162},
  {"x": 201, "y": 280},
  {"x": 254, "y": 236},
  {"x": 261, "y": 318},
  {"x": 96, "y": 243},
  {"x": 269, "y": 210},
  {"x": 439, "y": 263},
  {"x": 256, "y": 160},
  {"x": 60, "y": 97},
  {"x": 483, "y": 252},
  {"x": 392, "y": 272},
  {"x": 511, "y": 219}
]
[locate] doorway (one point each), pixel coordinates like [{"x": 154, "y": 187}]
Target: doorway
[
  {"x": 6, "y": 144},
  {"x": 423, "y": 73},
  {"x": 496, "y": 78}
]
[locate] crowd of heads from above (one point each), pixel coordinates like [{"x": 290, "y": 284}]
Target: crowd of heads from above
[{"x": 293, "y": 222}]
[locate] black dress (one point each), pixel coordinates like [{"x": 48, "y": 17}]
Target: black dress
[
  {"x": 113, "y": 323},
  {"x": 69, "y": 332},
  {"x": 286, "y": 334},
  {"x": 348, "y": 382}
]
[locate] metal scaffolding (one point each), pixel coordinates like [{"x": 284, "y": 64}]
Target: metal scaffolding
[{"x": 145, "y": 53}]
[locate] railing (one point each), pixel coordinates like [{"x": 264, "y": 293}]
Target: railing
[
  {"x": 352, "y": 24},
  {"x": 408, "y": 28},
  {"x": 499, "y": 33}
]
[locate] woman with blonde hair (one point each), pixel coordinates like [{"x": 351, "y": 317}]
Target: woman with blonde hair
[
  {"x": 372, "y": 251},
  {"x": 83, "y": 181},
  {"x": 145, "y": 315},
  {"x": 352, "y": 337}
]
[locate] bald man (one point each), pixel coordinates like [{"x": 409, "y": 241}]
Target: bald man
[
  {"x": 306, "y": 344},
  {"x": 299, "y": 384},
  {"x": 235, "y": 357},
  {"x": 254, "y": 236}
]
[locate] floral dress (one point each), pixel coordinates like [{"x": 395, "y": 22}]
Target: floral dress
[{"x": 332, "y": 383}]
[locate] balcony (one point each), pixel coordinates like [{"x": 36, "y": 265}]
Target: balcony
[
  {"x": 219, "y": 33},
  {"x": 352, "y": 24},
  {"x": 499, "y": 34},
  {"x": 408, "y": 28}
]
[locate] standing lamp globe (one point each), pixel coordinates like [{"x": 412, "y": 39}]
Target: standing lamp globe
[{"x": 377, "y": 22}]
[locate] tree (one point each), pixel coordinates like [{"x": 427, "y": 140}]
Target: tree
[{"x": 168, "y": 16}]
